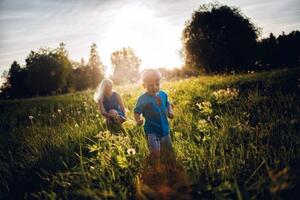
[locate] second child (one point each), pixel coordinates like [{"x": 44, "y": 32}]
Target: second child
[{"x": 153, "y": 105}]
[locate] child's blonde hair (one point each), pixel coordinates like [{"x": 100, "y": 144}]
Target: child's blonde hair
[
  {"x": 150, "y": 73},
  {"x": 99, "y": 94}
]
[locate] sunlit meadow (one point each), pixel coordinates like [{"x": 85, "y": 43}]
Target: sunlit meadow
[{"x": 234, "y": 137}]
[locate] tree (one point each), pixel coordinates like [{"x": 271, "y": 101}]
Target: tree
[
  {"x": 289, "y": 47},
  {"x": 268, "y": 53},
  {"x": 283, "y": 51},
  {"x": 47, "y": 72},
  {"x": 95, "y": 66},
  {"x": 219, "y": 39},
  {"x": 61, "y": 50},
  {"x": 14, "y": 86},
  {"x": 125, "y": 65},
  {"x": 81, "y": 78}
]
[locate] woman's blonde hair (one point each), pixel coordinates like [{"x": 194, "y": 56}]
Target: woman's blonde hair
[{"x": 99, "y": 94}]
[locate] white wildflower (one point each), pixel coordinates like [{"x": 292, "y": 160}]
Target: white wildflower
[{"x": 131, "y": 151}]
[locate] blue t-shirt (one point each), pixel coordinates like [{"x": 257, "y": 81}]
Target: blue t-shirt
[
  {"x": 112, "y": 103},
  {"x": 154, "y": 109}
]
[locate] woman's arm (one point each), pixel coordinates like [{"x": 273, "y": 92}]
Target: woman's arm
[
  {"x": 102, "y": 109},
  {"x": 121, "y": 104}
]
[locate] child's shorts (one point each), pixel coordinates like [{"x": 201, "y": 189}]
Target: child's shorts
[{"x": 157, "y": 143}]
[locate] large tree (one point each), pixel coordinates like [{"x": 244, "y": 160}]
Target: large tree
[
  {"x": 47, "y": 72},
  {"x": 219, "y": 38},
  {"x": 125, "y": 65}
]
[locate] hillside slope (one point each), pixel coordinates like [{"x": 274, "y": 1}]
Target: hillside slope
[{"x": 234, "y": 137}]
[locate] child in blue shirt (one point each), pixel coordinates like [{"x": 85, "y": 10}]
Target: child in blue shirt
[
  {"x": 110, "y": 103},
  {"x": 154, "y": 106}
]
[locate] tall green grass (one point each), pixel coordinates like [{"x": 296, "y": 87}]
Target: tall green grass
[{"x": 235, "y": 143}]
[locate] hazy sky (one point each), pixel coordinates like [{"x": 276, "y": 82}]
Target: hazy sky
[{"x": 151, "y": 27}]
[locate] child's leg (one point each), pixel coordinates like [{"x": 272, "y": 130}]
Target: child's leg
[
  {"x": 167, "y": 154},
  {"x": 166, "y": 142},
  {"x": 154, "y": 144}
]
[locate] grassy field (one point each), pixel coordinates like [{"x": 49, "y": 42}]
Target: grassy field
[{"x": 235, "y": 137}]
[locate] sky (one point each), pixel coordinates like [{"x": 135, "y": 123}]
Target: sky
[{"x": 151, "y": 27}]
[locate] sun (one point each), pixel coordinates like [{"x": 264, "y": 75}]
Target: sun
[{"x": 154, "y": 39}]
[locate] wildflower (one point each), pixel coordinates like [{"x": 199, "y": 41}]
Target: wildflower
[
  {"x": 76, "y": 125},
  {"x": 203, "y": 125},
  {"x": 59, "y": 110},
  {"x": 92, "y": 167},
  {"x": 225, "y": 95},
  {"x": 30, "y": 117},
  {"x": 205, "y": 107},
  {"x": 206, "y": 138},
  {"x": 122, "y": 161},
  {"x": 178, "y": 134},
  {"x": 99, "y": 135},
  {"x": 129, "y": 124},
  {"x": 131, "y": 151}
]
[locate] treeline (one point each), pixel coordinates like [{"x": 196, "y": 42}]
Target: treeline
[
  {"x": 221, "y": 39},
  {"x": 279, "y": 52},
  {"x": 50, "y": 71}
]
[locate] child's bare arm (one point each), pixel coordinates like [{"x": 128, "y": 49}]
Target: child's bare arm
[
  {"x": 138, "y": 118},
  {"x": 170, "y": 112}
]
